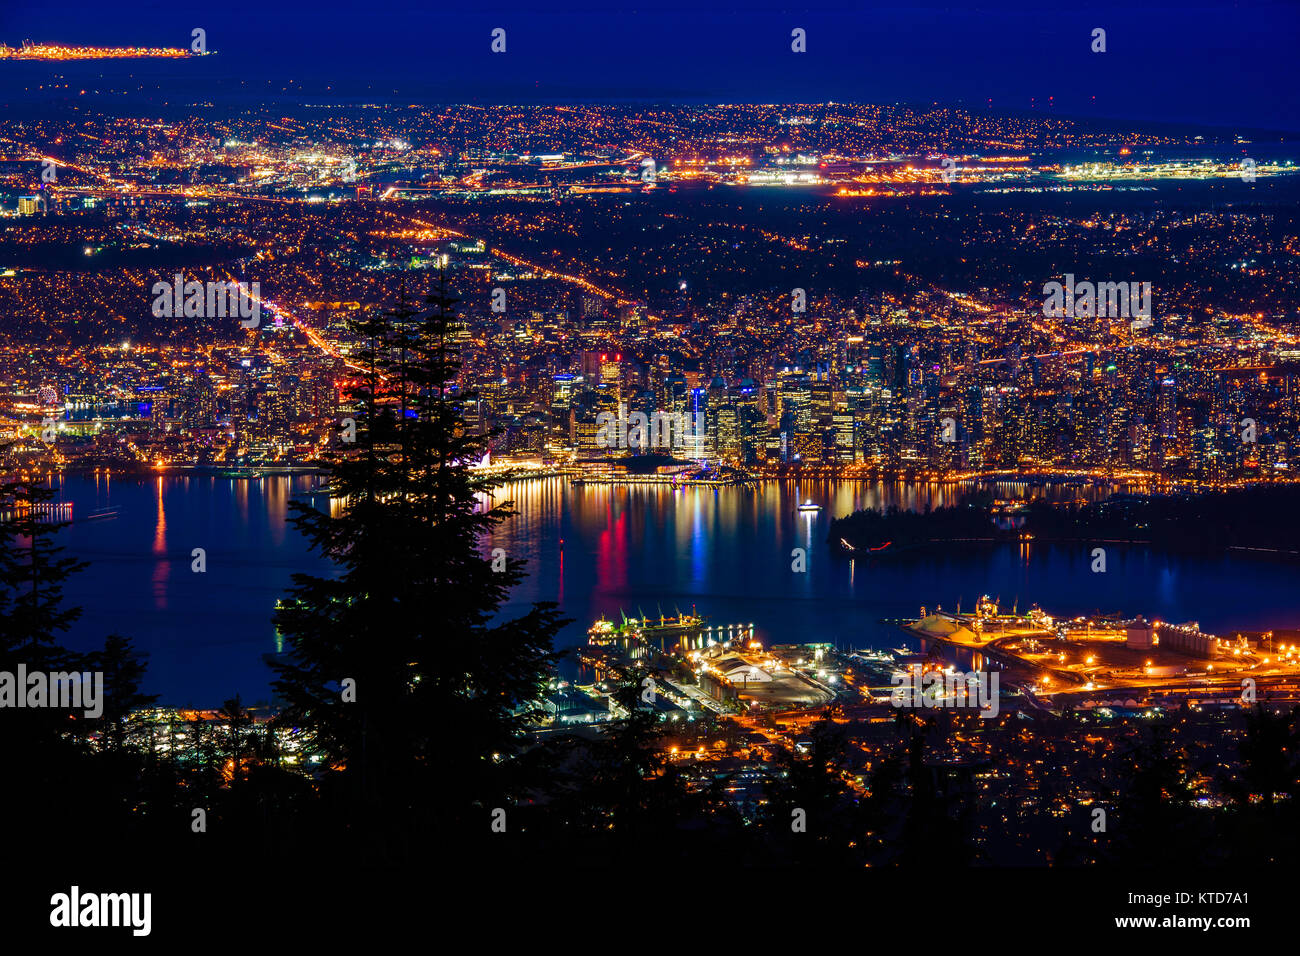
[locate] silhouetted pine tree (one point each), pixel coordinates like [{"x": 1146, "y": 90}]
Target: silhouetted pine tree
[
  {"x": 32, "y": 574},
  {"x": 443, "y": 685},
  {"x": 1155, "y": 823},
  {"x": 831, "y": 820},
  {"x": 1260, "y": 827},
  {"x": 937, "y": 811},
  {"x": 236, "y": 745},
  {"x": 43, "y": 747},
  {"x": 123, "y": 667},
  {"x": 1268, "y": 762},
  {"x": 612, "y": 798}
]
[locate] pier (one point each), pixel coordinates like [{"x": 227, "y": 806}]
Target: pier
[{"x": 684, "y": 632}]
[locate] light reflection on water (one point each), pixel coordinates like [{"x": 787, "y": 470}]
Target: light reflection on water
[
  {"x": 205, "y": 632},
  {"x": 726, "y": 552}
]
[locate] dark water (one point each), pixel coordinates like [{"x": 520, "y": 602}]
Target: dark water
[
  {"x": 205, "y": 633},
  {"x": 728, "y": 554},
  {"x": 725, "y": 552}
]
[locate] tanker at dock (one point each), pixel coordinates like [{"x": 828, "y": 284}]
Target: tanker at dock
[{"x": 683, "y": 632}]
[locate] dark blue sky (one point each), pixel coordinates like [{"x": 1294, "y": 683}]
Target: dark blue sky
[{"x": 1217, "y": 63}]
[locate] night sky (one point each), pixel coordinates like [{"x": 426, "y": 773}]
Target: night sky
[{"x": 1232, "y": 64}]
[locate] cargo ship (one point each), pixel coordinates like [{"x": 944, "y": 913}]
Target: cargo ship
[
  {"x": 646, "y": 630},
  {"x": 685, "y": 632}
]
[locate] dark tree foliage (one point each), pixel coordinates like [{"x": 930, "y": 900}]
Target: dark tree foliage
[
  {"x": 614, "y": 798},
  {"x": 934, "y": 808},
  {"x": 58, "y": 788},
  {"x": 1257, "y": 517},
  {"x": 901, "y": 529},
  {"x": 123, "y": 667},
  {"x": 32, "y": 616},
  {"x": 32, "y": 574},
  {"x": 1262, "y": 825},
  {"x": 813, "y": 816},
  {"x": 1156, "y": 822},
  {"x": 444, "y": 686}
]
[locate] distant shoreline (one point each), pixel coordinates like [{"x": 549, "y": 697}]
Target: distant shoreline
[
  {"x": 172, "y": 471},
  {"x": 1257, "y": 519}
]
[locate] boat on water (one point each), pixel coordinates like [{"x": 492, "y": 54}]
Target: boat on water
[
  {"x": 608, "y": 632},
  {"x": 808, "y": 507},
  {"x": 873, "y": 655},
  {"x": 325, "y": 491}
]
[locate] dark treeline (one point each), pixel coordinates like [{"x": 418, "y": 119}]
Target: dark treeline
[
  {"x": 402, "y": 672},
  {"x": 895, "y": 529},
  {"x": 1266, "y": 517}
]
